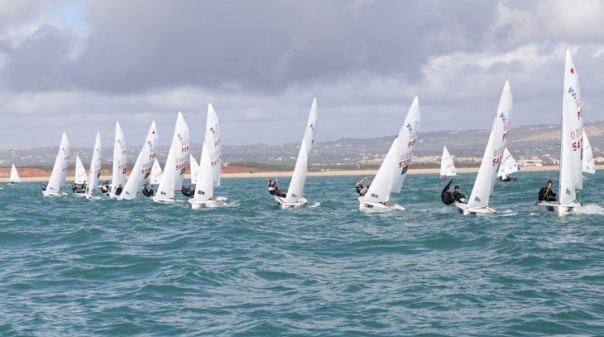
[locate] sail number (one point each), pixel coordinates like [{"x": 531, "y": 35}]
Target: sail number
[
  {"x": 577, "y": 145},
  {"x": 576, "y": 137},
  {"x": 497, "y": 154}
]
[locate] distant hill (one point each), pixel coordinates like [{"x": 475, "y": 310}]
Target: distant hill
[{"x": 524, "y": 142}]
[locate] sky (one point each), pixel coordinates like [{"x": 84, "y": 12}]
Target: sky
[{"x": 80, "y": 66}]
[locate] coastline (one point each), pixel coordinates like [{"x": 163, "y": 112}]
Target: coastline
[{"x": 281, "y": 174}]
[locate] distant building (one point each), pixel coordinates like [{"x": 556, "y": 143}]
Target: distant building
[{"x": 530, "y": 162}]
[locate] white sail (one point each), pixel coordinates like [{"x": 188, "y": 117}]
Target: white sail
[
  {"x": 80, "y": 172},
  {"x": 156, "y": 173},
  {"x": 485, "y": 180},
  {"x": 194, "y": 169},
  {"x": 59, "y": 170},
  {"x": 589, "y": 165},
  {"x": 120, "y": 160},
  {"x": 14, "y": 175},
  {"x": 407, "y": 145},
  {"x": 176, "y": 163},
  {"x": 209, "y": 165},
  {"x": 571, "y": 164},
  {"x": 295, "y": 190},
  {"x": 447, "y": 167},
  {"x": 204, "y": 189},
  {"x": 142, "y": 166},
  {"x": 391, "y": 174},
  {"x": 214, "y": 143},
  {"x": 95, "y": 167},
  {"x": 508, "y": 165}
]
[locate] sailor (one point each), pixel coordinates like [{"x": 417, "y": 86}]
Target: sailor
[
  {"x": 361, "y": 188},
  {"x": 74, "y": 187},
  {"x": 546, "y": 193},
  {"x": 458, "y": 196},
  {"x": 446, "y": 196},
  {"x": 187, "y": 191},
  {"x": 273, "y": 188},
  {"x": 119, "y": 189},
  {"x": 147, "y": 192},
  {"x": 43, "y": 186},
  {"x": 105, "y": 187}
]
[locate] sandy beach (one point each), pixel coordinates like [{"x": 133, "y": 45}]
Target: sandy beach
[{"x": 281, "y": 174}]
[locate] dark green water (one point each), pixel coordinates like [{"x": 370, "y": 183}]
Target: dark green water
[{"x": 73, "y": 267}]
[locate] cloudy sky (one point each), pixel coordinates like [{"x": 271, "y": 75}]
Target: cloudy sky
[{"x": 79, "y": 66}]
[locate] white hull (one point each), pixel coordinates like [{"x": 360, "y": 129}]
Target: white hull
[
  {"x": 289, "y": 205},
  {"x": 465, "y": 210},
  {"x": 378, "y": 207},
  {"x": 212, "y": 203},
  {"x": 559, "y": 209},
  {"x": 165, "y": 201},
  {"x": 53, "y": 194}
]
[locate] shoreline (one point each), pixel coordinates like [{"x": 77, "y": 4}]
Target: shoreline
[{"x": 282, "y": 174}]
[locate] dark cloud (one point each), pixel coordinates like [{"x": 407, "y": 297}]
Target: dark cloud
[{"x": 256, "y": 45}]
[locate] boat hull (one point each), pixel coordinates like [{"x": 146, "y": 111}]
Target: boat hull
[
  {"x": 559, "y": 209},
  {"x": 290, "y": 205},
  {"x": 378, "y": 207},
  {"x": 164, "y": 201},
  {"x": 212, "y": 203},
  {"x": 53, "y": 194},
  {"x": 465, "y": 210}
]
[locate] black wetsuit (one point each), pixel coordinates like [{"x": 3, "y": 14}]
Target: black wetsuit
[
  {"x": 446, "y": 196},
  {"x": 188, "y": 191},
  {"x": 147, "y": 192},
  {"x": 457, "y": 196},
  {"x": 546, "y": 195}
]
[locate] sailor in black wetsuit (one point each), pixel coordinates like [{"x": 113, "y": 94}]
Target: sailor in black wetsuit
[
  {"x": 546, "y": 193},
  {"x": 147, "y": 192},
  {"x": 273, "y": 188},
  {"x": 446, "y": 196},
  {"x": 105, "y": 188},
  {"x": 458, "y": 196},
  {"x": 187, "y": 191},
  {"x": 119, "y": 189}
]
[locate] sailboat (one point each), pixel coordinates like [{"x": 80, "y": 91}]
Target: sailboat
[
  {"x": 118, "y": 175},
  {"x": 194, "y": 169},
  {"x": 294, "y": 197},
  {"x": 447, "y": 167},
  {"x": 176, "y": 163},
  {"x": 95, "y": 169},
  {"x": 487, "y": 174},
  {"x": 571, "y": 146},
  {"x": 14, "y": 175},
  {"x": 391, "y": 174},
  {"x": 59, "y": 170},
  {"x": 589, "y": 165},
  {"x": 507, "y": 167},
  {"x": 80, "y": 172},
  {"x": 208, "y": 173},
  {"x": 156, "y": 173},
  {"x": 142, "y": 166}
]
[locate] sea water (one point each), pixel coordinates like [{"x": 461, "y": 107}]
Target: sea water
[{"x": 75, "y": 267}]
